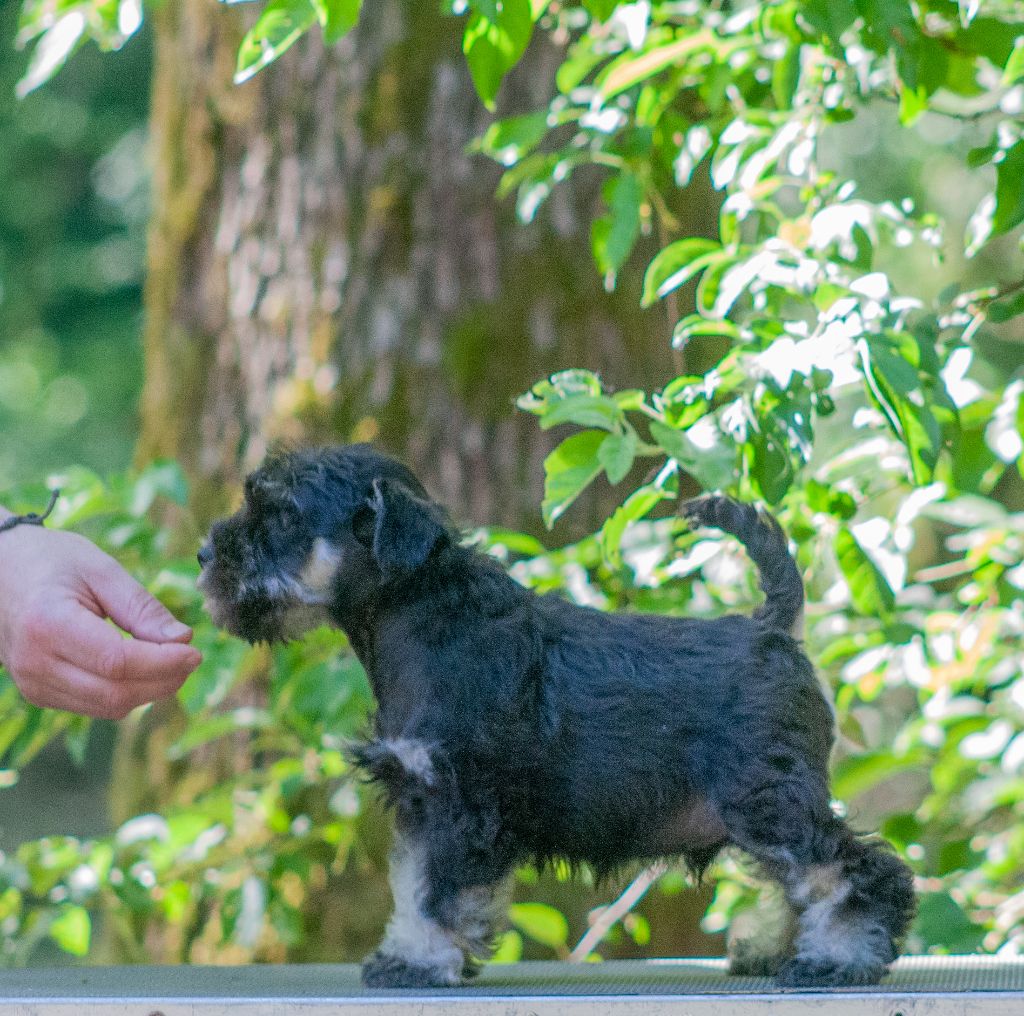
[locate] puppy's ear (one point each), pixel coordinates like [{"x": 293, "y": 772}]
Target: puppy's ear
[{"x": 406, "y": 527}]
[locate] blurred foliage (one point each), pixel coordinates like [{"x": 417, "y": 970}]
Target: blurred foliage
[
  {"x": 844, "y": 356},
  {"x": 234, "y": 866},
  {"x": 73, "y": 208}
]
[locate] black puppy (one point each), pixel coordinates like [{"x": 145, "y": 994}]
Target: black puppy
[{"x": 514, "y": 727}]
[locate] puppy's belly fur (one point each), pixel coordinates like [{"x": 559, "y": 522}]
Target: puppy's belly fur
[{"x": 693, "y": 825}]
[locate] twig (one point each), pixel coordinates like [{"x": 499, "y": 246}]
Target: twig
[
  {"x": 1008, "y": 290},
  {"x": 614, "y": 912}
]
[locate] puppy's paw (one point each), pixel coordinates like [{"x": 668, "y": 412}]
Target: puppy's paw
[
  {"x": 750, "y": 964},
  {"x": 382, "y": 970},
  {"x": 825, "y": 973}
]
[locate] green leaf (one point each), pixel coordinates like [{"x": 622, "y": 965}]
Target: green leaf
[
  {"x": 488, "y": 8},
  {"x": 823, "y": 498},
  {"x": 870, "y": 592},
  {"x": 770, "y": 465},
  {"x": 696, "y": 325},
  {"x": 52, "y": 51},
  {"x": 338, "y": 17},
  {"x": 540, "y": 922},
  {"x": 494, "y": 47},
  {"x": 856, "y": 774},
  {"x": 786, "y": 77},
  {"x": 280, "y": 25},
  {"x": 510, "y": 948},
  {"x": 941, "y": 921},
  {"x": 507, "y": 141},
  {"x": 601, "y": 10},
  {"x": 581, "y": 60},
  {"x": 563, "y": 385},
  {"x": 913, "y": 102},
  {"x": 677, "y": 263},
  {"x": 613, "y": 236},
  {"x": 1009, "y": 210},
  {"x": 617, "y": 453},
  {"x": 831, "y": 17},
  {"x": 76, "y": 738},
  {"x": 567, "y": 472},
  {"x": 1014, "y": 69},
  {"x": 714, "y": 468},
  {"x": 630, "y": 398},
  {"x": 72, "y": 930},
  {"x": 898, "y": 391},
  {"x": 1004, "y": 310},
  {"x": 161, "y": 479},
  {"x": 635, "y": 507},
  {"x": 631, "y": 69},
  {"x": 585, "y": 410},
  {"x": 203, "y": 731}
]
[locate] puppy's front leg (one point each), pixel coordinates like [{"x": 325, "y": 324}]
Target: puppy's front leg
[{"x": 417, "y": 952}]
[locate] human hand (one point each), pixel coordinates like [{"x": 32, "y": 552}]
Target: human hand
[{"x": 56, "y": 590}]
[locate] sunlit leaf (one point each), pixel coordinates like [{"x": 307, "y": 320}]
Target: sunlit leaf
[
  {"x": 677, "y": 263},
  {"x": 568, "y": 470},
  {"x": 52, "y": 51},
  {"x": 713, "y": 467},
  {"x": 632, "y": 69},
  {"x": 635, "y": 507},
  {"x": 617, "y": 453},
  {"x": 280, "y": 25},
  {"x": 540, "y": 922},
  {"x": 601, "y": 10},
  {"x": 338, "y": 17},
  {"x": 494, "y": 47},
  {"x": 507, "y": 141},
  {"x": 72, "y": 930},
  {"x": 870, "y": 592}
]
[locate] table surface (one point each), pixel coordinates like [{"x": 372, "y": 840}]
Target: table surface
[{"x": 644, "y": 978}]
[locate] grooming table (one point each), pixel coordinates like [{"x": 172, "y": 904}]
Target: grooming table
[{"x": 918, "y": 986}]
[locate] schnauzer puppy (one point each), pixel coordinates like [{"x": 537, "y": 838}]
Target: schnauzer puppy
[{"x": 513, "y": 727}]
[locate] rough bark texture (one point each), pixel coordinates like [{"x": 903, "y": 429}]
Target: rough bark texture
[{"x": 327, "y": 263}]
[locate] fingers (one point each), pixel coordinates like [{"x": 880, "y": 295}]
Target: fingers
[
  {"x": 132, "y": 608},
  {"x": 77, "y": 691},
  {"x": 93, "y": 646}
]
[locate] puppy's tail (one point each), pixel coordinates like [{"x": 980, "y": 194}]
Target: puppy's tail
[{"x": 766, "y": 544}]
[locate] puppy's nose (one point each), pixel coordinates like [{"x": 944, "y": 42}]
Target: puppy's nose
[{"x": 205, "y": 555}]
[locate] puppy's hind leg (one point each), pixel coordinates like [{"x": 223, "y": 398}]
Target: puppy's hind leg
[
  {"x": 761, "y": 940},
  {"x": 852, "y": 897},
  {"x": 853, "y": 913}
]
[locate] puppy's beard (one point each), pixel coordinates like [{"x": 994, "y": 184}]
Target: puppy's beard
[
  {"x": 277, "y": 609},
  {"x": 276, "y": 606}
]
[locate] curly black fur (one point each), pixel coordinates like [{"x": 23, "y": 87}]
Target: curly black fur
[{"x": 513, "y": 727}]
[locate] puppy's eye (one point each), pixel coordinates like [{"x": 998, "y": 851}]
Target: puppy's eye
[{"x": 363, "y": 524}]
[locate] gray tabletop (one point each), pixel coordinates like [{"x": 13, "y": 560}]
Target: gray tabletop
[{"x": 929, "y": 986}]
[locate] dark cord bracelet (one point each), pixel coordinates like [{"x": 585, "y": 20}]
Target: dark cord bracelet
[{"x": 32, "y": 518}]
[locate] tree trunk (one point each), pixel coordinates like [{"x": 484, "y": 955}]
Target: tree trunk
[{"x": 327, "y": 263}]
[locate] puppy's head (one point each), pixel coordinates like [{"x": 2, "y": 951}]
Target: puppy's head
[{"x": 318, "y": 535}]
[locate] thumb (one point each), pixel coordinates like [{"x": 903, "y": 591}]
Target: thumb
[{"x": 133, "y": 609}]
